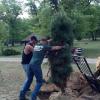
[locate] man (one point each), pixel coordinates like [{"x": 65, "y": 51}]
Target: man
[
  {"x": 27, "y": 55},
  {"x": 35, "y": 68}
]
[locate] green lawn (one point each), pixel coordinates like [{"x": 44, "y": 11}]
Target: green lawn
[{"x": 91, "y": 48}]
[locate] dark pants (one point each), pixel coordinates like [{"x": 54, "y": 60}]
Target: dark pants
[{"x": 33, "y": 70}]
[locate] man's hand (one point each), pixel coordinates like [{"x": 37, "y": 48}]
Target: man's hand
[
  {"x": 49, "y": 40},
  {"x": 28, "y": 49}
]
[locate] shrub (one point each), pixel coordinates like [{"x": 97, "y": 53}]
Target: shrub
[
  {"x": 9, "y": 52},
  {"x": 60, "y": 60}
]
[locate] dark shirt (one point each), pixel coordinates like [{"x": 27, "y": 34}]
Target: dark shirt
[
  {"x": 26, "y": 57},
  {"x": 39, "y": 53}
]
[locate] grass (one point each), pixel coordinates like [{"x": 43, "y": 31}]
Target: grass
[
  {"x": 13, "y": 74},
  {"x": 91, "y": 48}
]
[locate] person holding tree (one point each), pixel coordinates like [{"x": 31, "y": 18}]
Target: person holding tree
[{"x": 35, "y": 68}]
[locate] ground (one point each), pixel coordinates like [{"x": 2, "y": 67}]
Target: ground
[{"x": 11, "y": 78}]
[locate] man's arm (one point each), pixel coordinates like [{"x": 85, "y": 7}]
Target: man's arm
[
  {"x": 28, "y": 49},
  {"x": 56, "y": 47}
]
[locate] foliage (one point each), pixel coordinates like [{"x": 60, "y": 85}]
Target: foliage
[
  {"x": 11, "y": 10},
  {"x": 41, "y": 22},
  {"x": 61, "y": 33},
  {"x": 44, "y": 20},
  {"x": 82, "y": 11},
  {"x": 32, "y": 7},
  {"x": 4, "y": 30},
  {"x": 24, "y": 28},
  {"x": 54, "y": 4},
  {"x": 12, "y": 25},
  {"x": 62, "y": 25},
  {"x": 9, "y": 52},
  {"x": 85, "y": 16},
  {"x": 93, "y": 19},
  {"x": 80, "y": 26}
]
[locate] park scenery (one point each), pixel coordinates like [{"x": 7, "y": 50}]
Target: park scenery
[{"x": 69, "y": 73}]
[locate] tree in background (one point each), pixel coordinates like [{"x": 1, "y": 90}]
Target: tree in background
[
  {"x": 24, "y": 28},
  {"x": 54, "y": 4},
  {"x": 41, "y": 20},
  {"x": 85, "y": 15},
  {"x": 4, "y": 31},
  {"x": 81, "y": 12},
  {"x": 80, "y": 24},
  {"x": 94, "y": 20},
  {"x": 45, "y": 16},
  {"x": 10, "y": 16},
  {"x": 32, "y": 7},
  {"x": 60, "y": 61},
  {"x": 18, "y": 28}
]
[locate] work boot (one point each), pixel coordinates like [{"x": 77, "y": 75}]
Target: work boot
[{"x": 22, "y": 96}]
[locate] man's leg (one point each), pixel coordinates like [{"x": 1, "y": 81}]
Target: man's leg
[
  {"x": 39, "y": 78},
  {"x": 26, "y": 84},
  {"x": 26, "y": 68}
]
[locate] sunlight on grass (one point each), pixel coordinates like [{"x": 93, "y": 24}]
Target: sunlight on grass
[{"x": 91, "y": 48}]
